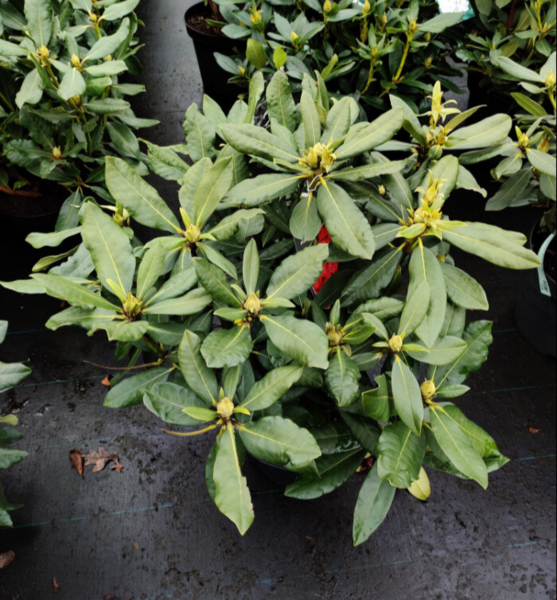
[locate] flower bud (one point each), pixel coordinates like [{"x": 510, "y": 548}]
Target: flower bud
[
  {"x": 413, "y": 27},
  {"x": 44, "y": 52},
  {"x": 255, "y": 16},
  {"x": 428, "y": 62},
  {"x": 544, "y": 145},
  {"x": 242, "y": 71},
  {"x": 382, "y": 190},
  {"x": 253, "y": 304},
  {"x": 93, "y": 18},
  {"x": 551, "y": 80},
  {"x": 435, "y": 152},
  {"x": 427, "y": 37},
  {"x": 57, "y": 153},
  {"x": 76, "y": 62},
  {"x": 294, "y": 38},
  {"x": 524, "y": 141},
  {"x": 327, "y": 7},
  {"x": 396, "y": 343},
  {"x": 367, "y": 8},
  {"x": 442, "y": 258},
  {"x": 225, "y": 408},
  {"x": 429, "y": 390},
  {"x": 193, "y": 233}
]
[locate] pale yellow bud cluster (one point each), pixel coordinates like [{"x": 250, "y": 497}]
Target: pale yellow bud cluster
[
  {"x": 132, "y": 307},
  {"x": 429, "y": 390},
  {"x": 57, "y": 153},
  {"x": 193, "y": 233},
  {"x": 253, "y": 304},
  {"x": 225, "y": 409},
  {"x": 319, "y": 159},
  {"x": 396, "y": 343}
]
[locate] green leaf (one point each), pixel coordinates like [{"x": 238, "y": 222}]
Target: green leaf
[
  {"x": 122, "y": 331},
  {"x": 9, "y": 458},
  {"x": 211, "y": 190},
  {"x": 334, "y": 470},
  {"x": 200, "y": 135},
  {"x": 421, "y": 488},
  {"x": 150, "y": 269},
  {"x": 463, "y": 290},
  {"x": 510, "y": 190},
  {"x": 256, "y": 89},
  {"x": 305, "y": 222},
  {"x": 338, "y": 121},
  {"x": 40, "y": 21},
  {"x": 401, "y": 455},
  {"x": 262, "y": 189},
  {"x": 297, "y": 273},
  {"x": 120, "y": 10},
  {"x": 484, "y": 134},
  {"x": 271, "y": 388},
  {"x": 232, "y": 495},
  {"x": 200, "y": 414},
  {"x": 371, "y": 280},
  {"x": 456, "y": 445},
  {"x": 548, "y": 187},
  {"x": 407, "y": 397},
  {"x": 124, "y": 139},
  {"x": 447, "y": 170},
  {"x": 377, "y": 402},
  {"x": 72, "y": 85},
  {"x": 3, "y": 331},
  {"x": 197, "y": 374},
  {"x": 166, "y": 163},
  {"x": 215, "y": 282},
  {"x": 531, "y": 106},
  {"x": 107, "y": 106},
  {"x": 368, "y": 171},
  {"x": 251, "y": 267},
  {"x": 305, "y": 342},
  {"x": 522, "y": 73},
  {"x": 31, "y": 90},
  {"x": 542, "y": 161},
  {"x": 425, "y": 267},
  {"x": 109, "y": 44},
  {"x": 227, "y": 347},
  {"x": 415, "y": 310},
  {"x": 190, "y": 304},
  {"x": 280, "y": 442},
  {"x": 72, "y": 292},
  {"x": 255, "y": 53},
  {"x": 280, "y": 103},
  {"x": 494, "y": 245},
  {"x": 441, "y": 22},
  {"x": 445, "y": 351},
  {"x": 51, "y": 240},
  {"x": 376, "y": 133},
  {"x": 363, "y": 429},
  {"x": 348, "y": 227},
  {"x": 374, "y": 502},
  {"x": 110, "y": 249},
  {"x": 310, "y": 119},
  {"x": 12, "y": 374},
  {"x": 256, "y": 141},
  {"x": 343, "y": 379},
  {"x": 139, "y": 198},
  {"x": 130, "y": 391}
]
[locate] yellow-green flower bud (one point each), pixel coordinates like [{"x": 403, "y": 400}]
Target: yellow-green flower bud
[
  {"x": 382, "y": 190},
  {"x": 429, "y": 390},
  {"x": 294, "y": 38},
  {"x": 524, "y": 141},
  {"x": 44, "y": 53},
  {"x": 255, "y": 16},
  {"x": 442, "y": 258},
  {"x": 413, "y": 27},
  {"x": 242, "y": 71},
  {"x": 193, "y": 233},
  {"x": 544, "y": 145},
  {"x": 427, "y": 37},
  {"x": 327, "y": 7},
  {"x": 334, "y": 333},
  {"x": 551, "y": 80},
  {"x": 132, "y": 306},
  {"x": 367, "y": 7},
  {"x": 428, "y": 62},
  {"x": 225, "y": 408},
  {"x": 76, "y": 62},
  {"x": 253, "y": 304},
  {"x": 93, "y": 18},
  {"x": 396, "y": 343},
  {"x": 57, "y": 153}
]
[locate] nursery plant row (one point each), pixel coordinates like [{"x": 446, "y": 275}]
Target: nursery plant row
[{"x": 304, "y": 306}]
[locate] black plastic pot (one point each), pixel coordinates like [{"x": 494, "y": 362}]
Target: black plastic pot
[
  {"x": 536, "y": 313},
  {"x": 215, "y": 79},
  {"x": 279, "y": 475}
]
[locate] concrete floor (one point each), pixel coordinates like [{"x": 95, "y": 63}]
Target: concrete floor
[{"x": 152, "y": 533}]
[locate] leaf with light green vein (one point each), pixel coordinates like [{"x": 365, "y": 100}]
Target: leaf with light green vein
[
  {"x": 121, "y": 331},
  {"x": 334, "y": 471},
  {"x": 12, "y": 374},
  {"x": 338, "y": 121},
  {"x": 376, "y": 133},
  {"x": 385, "y": 233},
  {"x": 177, "y": 285},
  {"x": 72, "y": 84},
  {"x": 415, "y": 309},
  {"x": 109, "y": 44},
  {"x": 396, "y": 184},
  {"x": 310, "y": 119},
  {"x": 548, "y": 186},
  {"x": 217, "y": 259},
  {"x": 9, "y": 457},
  {"x": 51, "y": 240},
  {"x": 191, "y": 181},
  {"x": 232, "y": 495},
  {"x": 211, "y": 190},
  {"x": 256, "y": 89},
  {"x": 447, "y": 170},
  {"x": 228, "y": 227},
  {"x": 72, "y": 292},
  {"x": 533, "y": 107},
  {"x": 110, "y": 249},
  {"x": 370, "y": 281},
  {"x": 256, "y": 141},
  {"x": 262, "y": 189},
  {"x": 478, "y": 336},
  {"x": 166, "y": 163},
  {"x": 214, "y": 281},
  {"x": 509, "y": 191},
  {"x": 334, "y": 437},
  {"x": 31, "y": 90},
  {"x": 83, "y": 317},
  {"x": 463, "y": 290},
  {"x": 364, "y": 430},
  {"x": 384, "y": 308},
  {"x": 374, "y": 502},
  {"x": 190, "y": 304},
  {"x": 197, "y": 374},
  {"x": 150, "y": 269},
  {"x": 425, "y": 266},
  {"x": 280, "y": 103},
  {"x": 347, "y": 225},
  {"x": 377, "y": 402},
  {"x": 251, "y": 265},
  {"x": 117, "y": 11},
  {"x": 138, "y": 197},
  {"x": 456, "y": 445},
  {"x": 271, "y": 388},
  {"x": 407, "y": 396},
  {"x": 484, "y": 134},
  {"x": 200, "y": 135},
  {"x": 227, "y": 347},
  {"x": 305, "y": 222},
  {"x": 492, "y": 244},
  {"x": 368, "y": 171},
  {"x": 445, "y": 351},
  {"x": 130, "y": 391},
  {"x": 343, "y": 379},
  {"x": 385, "y": 210},
  {"x": 201, "y": 414},
  {"x": 543, "y": 162},
  {"x": 512, "y": 68},
  {"x": 280, "y": 442},
  {"x": 40, "y": 21},
  {"x": 401, "y": 455},
  {"x": 297, "y": 273},
  {"x": 305, "y": 342}
]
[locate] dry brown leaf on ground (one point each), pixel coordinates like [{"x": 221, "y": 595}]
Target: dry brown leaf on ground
[
  {"x": 76, "y": 460},
  {"x": 101, "y": 458},
  {"x": 534, "y": 430},
  {"x": 55, "y": 586},
  {"x": 106, "y": 381},
  {"x": 6, "y": 559}
]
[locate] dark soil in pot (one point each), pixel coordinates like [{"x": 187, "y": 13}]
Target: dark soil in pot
[
  {"x": 536, "y": 313},
  {"x": 207, "y": 40}
]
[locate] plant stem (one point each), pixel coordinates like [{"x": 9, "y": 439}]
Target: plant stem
[
  {"x": 396, "y": 78},
  {"x": 370, "y": 76},
  {"x": 6, "y": 102}
]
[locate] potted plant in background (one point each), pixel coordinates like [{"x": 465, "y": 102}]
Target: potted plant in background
[
  {"x": 243, "y": 348},
  {"x": 11, "y": 374}
]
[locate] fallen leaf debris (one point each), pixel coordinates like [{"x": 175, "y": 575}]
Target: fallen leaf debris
[
  {"x": 6, "y": 559},
  {"x": 99, "y": 459}
]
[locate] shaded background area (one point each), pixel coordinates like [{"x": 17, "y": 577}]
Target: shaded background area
[{"x": 152, "y": 533}]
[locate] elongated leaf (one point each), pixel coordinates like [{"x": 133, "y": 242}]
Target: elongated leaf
[
  {"x": 456, "y": 445},
  {"x": 40, "y": 20},
  {"x": 72, "y": 84},
  {"x": 334, "y": 470},
  {"x": 211, "y": 190},
  {"x": 297, "y": 274},
  {"x": 305, "y": 222},
  {"x": 484, "y": 134},
  {"x": 197, "y": 374},
  {"x": 109, "y": 44},
  {"x": 280, "y": 442},
  {"x": 343, "y": 379},
  {"x": 545, "y": 163},
  {"x": 72, "y": 292},
  {"x": 348, "y": 227},
  {"x": 215, "y": 282},
  {"x": 31, "y": 90},
  {"x": 280, "y": 103},
  {"x": 374, "y": 502},
  {"x": 368, "y": 171},
  {"x": 150, "y": 269},
  {"x": 310, "y": 119},
  {"x": 415, "y": 309},
  {"x": 12, "y": 374},
  {"x": 190, "y": 304},
  {"x": 227, "y": 347},
  {"x": 256, "y": 141},
  {"x": 251, "y": 267},
  {"x": 232, "y": 495},
  {"x": 130, "y": 391},
  {"x": 120, "y": 10},
  {"x": 407, "y": 397},
  {"x": 338, "y": 121},
  {"x": 401, "y": 454},
  {"x": 139, "y": 198},
  {"x": 271, "y": 388},
  {"x": 463, "y": 290},
  {"x": 445, "y": 351},
  {"x": 305, "y": 342},
  {"x": 9, "y": 458},
  {"x": 522, "y": 73},
  {"x": 262, "y": 189},
  {"x": 421, "y": 488}
]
